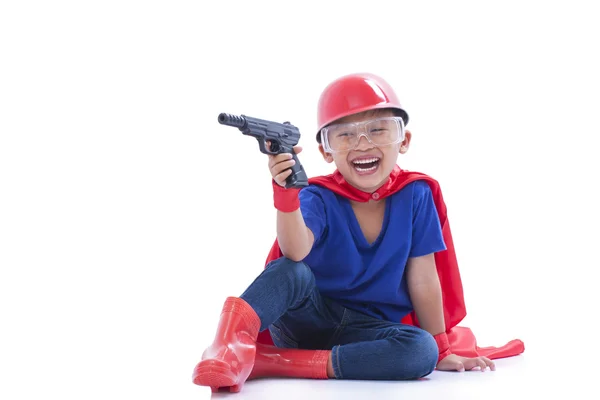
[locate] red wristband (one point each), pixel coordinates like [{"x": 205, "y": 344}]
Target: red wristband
[
  {"x": 285, "y": 200},
  {"x": 443, "y": 345}
]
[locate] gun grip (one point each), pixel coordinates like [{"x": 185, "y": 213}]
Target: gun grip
[{"x": 298, "y": 178}]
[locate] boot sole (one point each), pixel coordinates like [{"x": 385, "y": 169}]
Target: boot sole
[{"x": 217, "y": 375}]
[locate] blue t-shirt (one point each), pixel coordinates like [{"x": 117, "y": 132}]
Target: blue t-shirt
[{"x": 370, "y": 277}]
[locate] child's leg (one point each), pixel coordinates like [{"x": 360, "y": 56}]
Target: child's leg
[
  {"x": 302, "y": 338},
  {"x": 372, "y": 349},
  {"x": 283, "y": 286},
  {"x": 364, "y": 347}
]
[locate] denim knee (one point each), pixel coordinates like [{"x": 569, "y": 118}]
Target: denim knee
[
  {"x": 426, "y": 352},
  {"x": 394, "y": 353},
  {"x": 296, "y": 274},
  {"x": 417, "y": 356},
  {"x": 295, "y": 268}
]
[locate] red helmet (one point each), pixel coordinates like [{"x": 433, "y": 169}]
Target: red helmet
[{"x": 355, "y": 93}]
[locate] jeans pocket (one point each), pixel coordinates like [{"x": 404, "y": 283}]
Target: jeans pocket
[{"x": 280, "y": 339}]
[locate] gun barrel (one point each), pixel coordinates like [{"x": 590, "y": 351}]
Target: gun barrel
[{"x": 232, "y": 120}]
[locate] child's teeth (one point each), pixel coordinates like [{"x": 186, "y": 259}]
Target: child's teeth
[
  {"x": 366, "y": 169},
  {"x": 366, "y": 161}
]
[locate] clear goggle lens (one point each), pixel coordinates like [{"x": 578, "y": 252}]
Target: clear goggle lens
[{"x": 379, "y": 132}]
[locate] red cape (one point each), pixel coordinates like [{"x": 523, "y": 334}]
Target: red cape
[{"x": 462, "y": 339}]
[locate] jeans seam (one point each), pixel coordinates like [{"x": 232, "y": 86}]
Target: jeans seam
[
  {"x": 343, "y": 323},
  {"x": 295, "y": 307},
  {"x": 337, "y": 369},
  {"x": 335, "y": 359},
  {"x": 282, "y": 337}
]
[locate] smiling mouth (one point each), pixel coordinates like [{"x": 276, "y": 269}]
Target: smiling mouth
[{"x": 366, "y": 164}]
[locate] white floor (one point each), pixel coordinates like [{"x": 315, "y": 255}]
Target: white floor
[{"x": 526, "y": 376}]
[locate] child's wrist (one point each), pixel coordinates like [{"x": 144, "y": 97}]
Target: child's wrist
[
  {"x": 441, "y": 339},
  {"x": 285, "y": 200}
]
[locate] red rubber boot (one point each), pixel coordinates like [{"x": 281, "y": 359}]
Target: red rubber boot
[
  {"x": 227, "y": 363},
  {"x": 272, "y": 361}
]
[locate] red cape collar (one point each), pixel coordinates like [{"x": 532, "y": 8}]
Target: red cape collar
[{"x": 339, "y": 185}]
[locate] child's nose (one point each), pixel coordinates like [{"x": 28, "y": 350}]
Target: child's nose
[{"x": 363, "y": 142}]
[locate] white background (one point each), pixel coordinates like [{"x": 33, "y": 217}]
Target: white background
[{"x": 128, "y": 214}]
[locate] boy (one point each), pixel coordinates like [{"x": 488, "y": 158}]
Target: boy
[{"x": 355, "y": 254}]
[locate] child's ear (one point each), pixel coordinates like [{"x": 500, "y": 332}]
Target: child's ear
[
  {"x": 326, "y": 156},
  {"x": 406, "y": 142}
]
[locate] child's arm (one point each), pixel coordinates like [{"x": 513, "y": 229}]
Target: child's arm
[
  {"x": 294, "y": 237},
  {"x": 424, "y": 284},
  {"x": 426, "y": 293}
]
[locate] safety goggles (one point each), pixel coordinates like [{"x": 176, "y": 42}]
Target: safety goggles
[{"x": 379, "y": 132}]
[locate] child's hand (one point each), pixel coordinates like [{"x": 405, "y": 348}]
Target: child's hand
[
  {"x": 280, "y": 165},
  {"x": 458, "y": 363}
]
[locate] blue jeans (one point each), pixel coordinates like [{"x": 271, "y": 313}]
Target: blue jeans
[{"x": 289, "y": 304}]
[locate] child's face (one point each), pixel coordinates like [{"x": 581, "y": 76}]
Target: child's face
[{"x": 377, "y": 161}]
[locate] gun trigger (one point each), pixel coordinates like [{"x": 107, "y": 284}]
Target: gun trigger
[{"x": 267, "y": 147}]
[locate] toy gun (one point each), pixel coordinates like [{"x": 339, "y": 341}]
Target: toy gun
[{"x": 282, "y": 138}]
